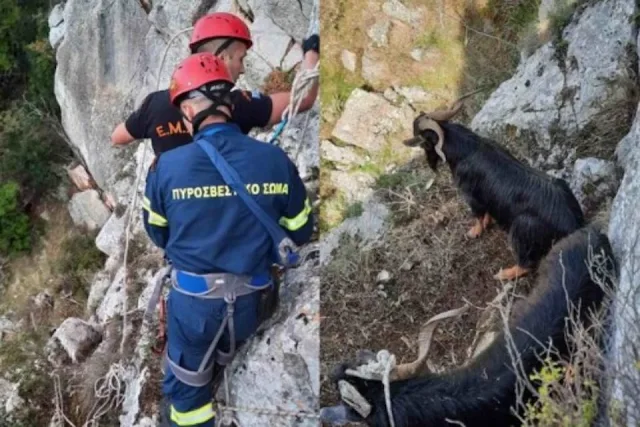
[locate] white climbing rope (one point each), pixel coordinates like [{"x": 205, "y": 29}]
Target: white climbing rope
[
  {"x": 302, "y": 83},
  {"x": 132, "y": 206},
  {"x": 109, "y": 392}
]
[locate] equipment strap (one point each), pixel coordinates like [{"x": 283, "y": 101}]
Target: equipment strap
[
  {"x": 204, "y": 374},
  {"x": 286, "y": 250}
]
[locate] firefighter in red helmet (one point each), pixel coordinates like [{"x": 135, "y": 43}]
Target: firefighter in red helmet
[{"x": 228, "y": 37}]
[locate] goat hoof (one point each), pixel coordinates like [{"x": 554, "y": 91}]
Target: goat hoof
[
  {"x": 487, "y": 221},
  {"x": 474, "y": 232},
  {"x": 511, "y": 273}
]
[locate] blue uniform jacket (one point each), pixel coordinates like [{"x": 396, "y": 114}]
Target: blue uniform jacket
[{"x": 204, "y": 228}]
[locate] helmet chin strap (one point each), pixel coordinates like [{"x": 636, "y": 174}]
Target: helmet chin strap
[
  {"x": 210, "y": 111},
  {"x": 218, "y": 101}
]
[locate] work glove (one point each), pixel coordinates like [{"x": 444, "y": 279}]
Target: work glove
[{"x": 311, "y": 43}]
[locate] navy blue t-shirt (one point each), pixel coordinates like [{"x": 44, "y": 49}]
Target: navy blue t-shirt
[{"x": 161, "y": 121}]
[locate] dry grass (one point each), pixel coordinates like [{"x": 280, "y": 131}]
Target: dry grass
[
  {"x": 34, "y": 273},
  {"x": 278, "y": 81},
  {"x": 446, "y": 269}
]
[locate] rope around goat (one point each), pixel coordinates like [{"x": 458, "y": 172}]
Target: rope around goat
[{"x": 380, "y": 369}]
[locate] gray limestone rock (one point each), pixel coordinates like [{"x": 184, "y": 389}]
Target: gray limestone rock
[
  {"x": 369, "y": 119},
  {"x": 559, "y": 91},
  {"x": 87, "y": 209}
]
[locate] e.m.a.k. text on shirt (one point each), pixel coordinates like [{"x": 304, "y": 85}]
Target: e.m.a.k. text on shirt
[{"x": 161, "y": 121}]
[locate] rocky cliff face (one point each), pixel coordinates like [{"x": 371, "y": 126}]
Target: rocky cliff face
[
  {"x": 110, "y": 56},
  {"x": 577, "y": 97}
]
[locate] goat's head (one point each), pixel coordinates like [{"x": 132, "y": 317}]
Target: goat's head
[
  {"x": 428, "y": 133},
  {"x": 367, "y": 392}
]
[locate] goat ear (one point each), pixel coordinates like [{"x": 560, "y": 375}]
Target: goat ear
[
  {"x": 339, "y": 415},
  {"x": 338, "y": 372},
  {"x": 416, "y": 141}
]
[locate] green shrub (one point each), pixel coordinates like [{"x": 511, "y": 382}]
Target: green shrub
[
  {"x": 15, "y": 235},
  {"x": 354, "y": 210},
  {"x": 29, "y": 151},
  {"x": 81, "y": 259},
  {"x": 560, "y": 403}
]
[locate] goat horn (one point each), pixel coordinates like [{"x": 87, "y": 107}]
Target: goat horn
[
  {"x": 428, "y": 123},
  {"x": 444, "y": 115},
  {"x": 456, "y": 106},
  {"x": 409, "y": 370}
]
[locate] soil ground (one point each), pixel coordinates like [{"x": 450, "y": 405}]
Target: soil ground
[{"x": 447, "y": 269}]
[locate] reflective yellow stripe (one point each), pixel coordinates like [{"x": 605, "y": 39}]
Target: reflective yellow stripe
[
  {"x": 154, "y": 218},
  {"x": 197, "y": 416},
  {"x": 299, "y": 220}
]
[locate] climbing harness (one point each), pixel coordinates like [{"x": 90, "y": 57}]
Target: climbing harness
[{"x": 224, "y": 286}]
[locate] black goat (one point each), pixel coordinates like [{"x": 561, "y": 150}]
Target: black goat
[
  {"x": 483, "y": 392},
  {"x": 533, "y": 207}
]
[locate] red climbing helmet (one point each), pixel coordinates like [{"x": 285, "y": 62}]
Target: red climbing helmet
[
  {"x": 195, "y": 71},
  {"x": 219, "y": 25}
]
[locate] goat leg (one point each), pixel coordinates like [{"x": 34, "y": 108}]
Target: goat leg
[
  {"x": 476, "y": 230},
  {"x": 511, "y": 273},
  {"x": 486, "y": 221}
]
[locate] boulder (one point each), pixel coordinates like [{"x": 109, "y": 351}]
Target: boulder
[
  {"x": 624, "y": 233},
  {"x": 345, "y": 156},
  {"x": 349, "y": 60},
  {"x": 379, "y": 33},
  {"x": 369, "y": 120},
  {"x": 56, "y": 25},
  {"x": 80, "y": 178},
  {"x": 87, "y": 209},
  {"x": 369, "y": 227},
  {"x": 76, "y": 338},
  {"x": 593, "y": 182},
  {"x": 356, "y": 186},
  {"x": 395, "y": 9},
  {"x": 109, "y": 238},
  {"x": 10, "y": 399}
]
